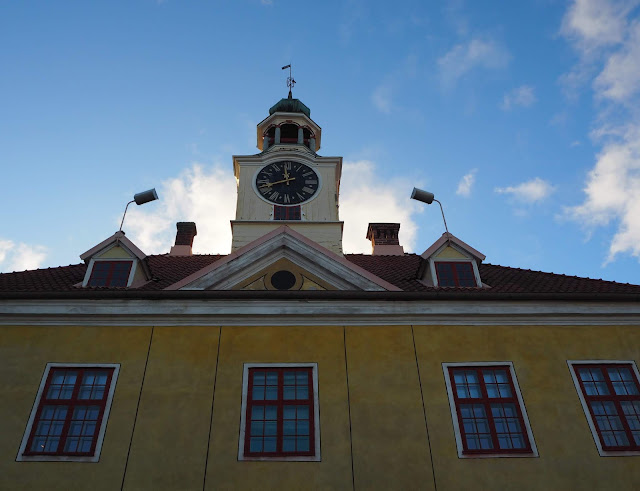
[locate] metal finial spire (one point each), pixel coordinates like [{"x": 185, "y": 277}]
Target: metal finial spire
[{"x": 290, "y": 81}]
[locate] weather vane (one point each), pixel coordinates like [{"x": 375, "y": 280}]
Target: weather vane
[{"x": 290, "y": 81}]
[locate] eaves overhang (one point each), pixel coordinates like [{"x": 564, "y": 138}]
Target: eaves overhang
[
  {"x": 323, "y": 308},
  {"x": 454, "y": 296}
]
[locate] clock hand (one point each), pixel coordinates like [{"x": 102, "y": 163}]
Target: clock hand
[{"x": 269, "y": 184}]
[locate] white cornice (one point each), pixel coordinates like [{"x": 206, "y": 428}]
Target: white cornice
[{"x": 257, "y": 312}]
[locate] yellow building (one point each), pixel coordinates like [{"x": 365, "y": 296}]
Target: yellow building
[{"x": 288, "y": 364}]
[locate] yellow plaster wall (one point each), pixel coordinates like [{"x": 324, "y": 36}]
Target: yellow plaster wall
[
  {"x": 450, "y": 253},
  {"x": 139, "y": 276},
  {"x": 568, "y": 455},
  {"x": 239, "y": 345},
  {"x": 385, "y": 418},
  {"x": 24, "y": 353},
  {"x": 387, "y": 421},
  {"x": 327, "y": 234},
  {"x": 169, "y": 444},
  {"x": 116, "y": 252}
]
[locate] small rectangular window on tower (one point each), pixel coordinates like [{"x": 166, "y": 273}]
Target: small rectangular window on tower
[
  {"x": 610, "y": 395},
  {"x": 286, "y": 212},
  {"x": 279, "y": 418},
  {"x": 488, "y": 412},
  {"x": 69, "y": 417}
]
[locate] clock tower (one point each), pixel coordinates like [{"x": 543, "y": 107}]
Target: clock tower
[{"x": 288, "y": 183}]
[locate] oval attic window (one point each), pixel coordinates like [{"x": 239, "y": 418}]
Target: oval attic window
[{"x": 283, "y": 280}]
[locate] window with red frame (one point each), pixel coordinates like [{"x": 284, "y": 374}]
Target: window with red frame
[
  {"x": 286, "y": 212},
  {"x": 279, "y": 419},
  {"x": 110, "y": 273},
  {"x": 455, "y": 273},
  {"x": 612, "y": 396},
  {"x": 488, "y": 411},
  {"x": 70, "y": 411}
]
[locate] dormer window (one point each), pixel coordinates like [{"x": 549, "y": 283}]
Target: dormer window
[
  {"x": 450, "y": 263},
  {"x": 110, "y": 273},
  {"x": 455, "y": 273},
  {"x": 115, "y": 263}
]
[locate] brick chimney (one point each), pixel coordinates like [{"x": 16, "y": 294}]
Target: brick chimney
[
  {"x": 184, "y": 239},
  {"x": 384, "y": 239}
]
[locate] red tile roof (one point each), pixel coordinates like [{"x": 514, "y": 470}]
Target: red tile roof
[{"x": 401, "y": 271}]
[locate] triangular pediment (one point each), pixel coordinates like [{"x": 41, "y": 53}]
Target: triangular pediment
[
  {"x": 450, "y": 246},
  {"x": 115, "y": 246},
  {"x": 283, "y": 274},
  {"x": 283, "y": 250}
]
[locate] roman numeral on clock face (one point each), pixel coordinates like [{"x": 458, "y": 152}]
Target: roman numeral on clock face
[{"x": 287, "y": 182}]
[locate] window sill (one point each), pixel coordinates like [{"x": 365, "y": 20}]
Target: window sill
[
  {"x": 305, "y": 458},
  {"x": 57, "y": 458}
]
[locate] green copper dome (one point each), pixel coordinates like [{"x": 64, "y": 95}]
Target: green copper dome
[{"x": 290, "y": 106}]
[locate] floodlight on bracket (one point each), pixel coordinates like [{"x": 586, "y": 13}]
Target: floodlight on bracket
[
  {"x": 428, "y": 198},
  {"x": 140, "y": 199}
]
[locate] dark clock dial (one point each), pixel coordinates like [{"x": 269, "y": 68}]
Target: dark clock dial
[{"x": 287, "y": 182}]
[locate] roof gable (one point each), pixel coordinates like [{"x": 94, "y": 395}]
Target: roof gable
[
  {"x": 118, "y": 239},
  {"x": 450, "y": 240},
  {"x": 313, "y": 261}
]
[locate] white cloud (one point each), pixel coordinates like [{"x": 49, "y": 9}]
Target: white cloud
[
  {"x": 594, "y": 24},
  {"x": 462, "y": 58},
  {"x": 612, "y": 193},
  {"x": 367, "y": 198},
  {"x": 381, "y": 98},
  {"x": 21, "y": 256},
  {"x": 607, "y": 34},
  {"x": 594, "y": 28},
  {"x": 205, "y": 195},
  {"x": 530, "y": 191},
  {"x": 5, "y": 248},
  {"x": 523, "y": 96},
  {"x": 266, "y": 2},
  {"x": 466, "y": 183},
  {"x": 620, "y": 78}
]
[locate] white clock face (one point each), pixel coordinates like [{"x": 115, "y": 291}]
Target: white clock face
[{"x": 287, "y": 182}]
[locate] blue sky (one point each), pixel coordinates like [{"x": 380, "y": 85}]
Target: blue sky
[{"x": 522, "y": 117}]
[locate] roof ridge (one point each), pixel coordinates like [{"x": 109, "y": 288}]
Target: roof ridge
[
  {"x": 42, "y": 269},
  {"x": 166, "y": 254},
  {"x": 380, "y": 255}
]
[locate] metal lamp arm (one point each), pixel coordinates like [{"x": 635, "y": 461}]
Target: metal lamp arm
[
  {"x": 125, "y": 214},
  {"x": 443, "y": 219}
]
